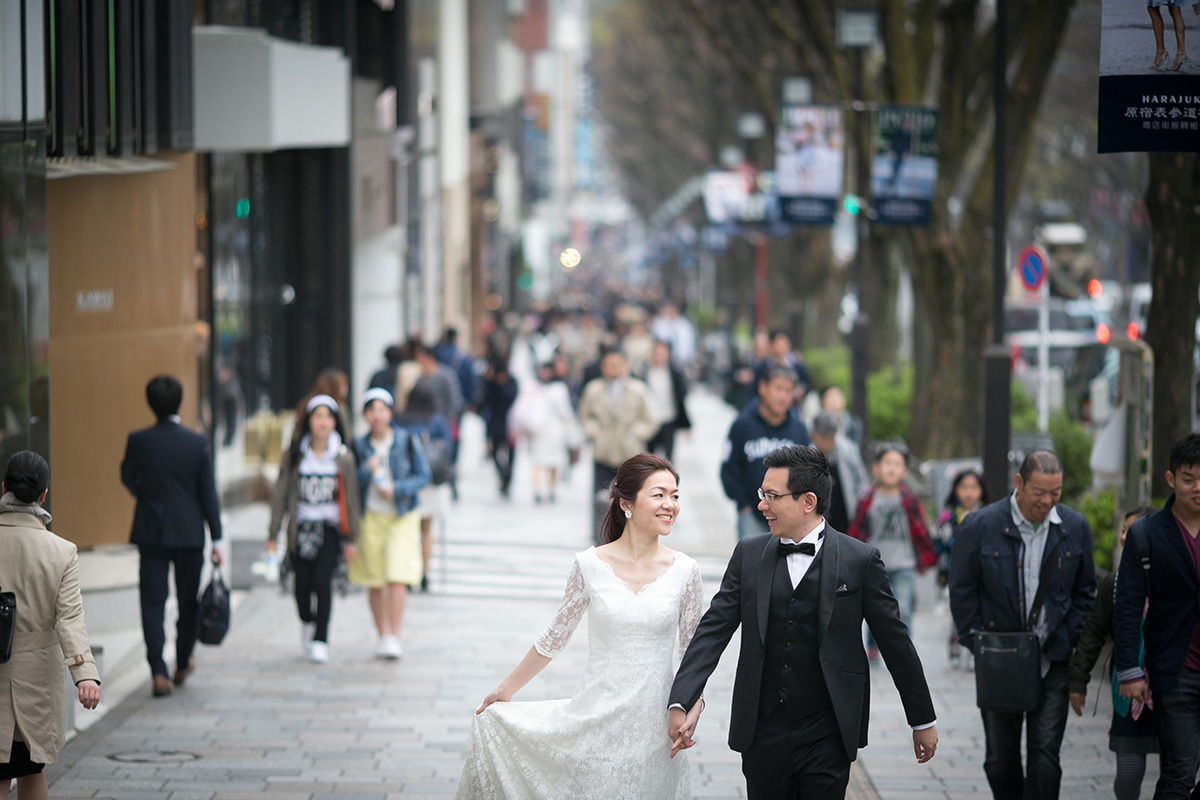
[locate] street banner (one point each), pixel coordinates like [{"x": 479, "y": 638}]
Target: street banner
[
  {"x": 809, "y": 161},
  {"x": 734, "y": 197},
  {"x": 1149, "y": 91},
  {"x": 904, "y": 170}
]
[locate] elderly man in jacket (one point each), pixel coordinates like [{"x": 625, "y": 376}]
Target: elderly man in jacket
[{"x": 996, "y": 567}]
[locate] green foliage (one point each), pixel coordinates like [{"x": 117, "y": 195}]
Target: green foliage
[
  {"x": 1100, "y": 509},
  {"x": 829, "y": 366},
  {"x": 1073, "y": 444},
  {"x": 890, "y": 402},
  {"x": 1022, "y": 412}
]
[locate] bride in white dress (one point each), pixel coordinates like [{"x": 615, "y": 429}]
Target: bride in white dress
[{"x": 611, "y": 739}]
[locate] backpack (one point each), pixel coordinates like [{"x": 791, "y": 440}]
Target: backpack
[{"x": 437, "y": 451}]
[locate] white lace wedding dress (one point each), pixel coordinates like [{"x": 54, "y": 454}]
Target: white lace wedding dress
[{"x": 609, "y": 741}]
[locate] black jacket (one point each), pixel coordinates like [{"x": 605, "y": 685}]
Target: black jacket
[
  {"x": 1156, "y": 564},
  {"x": 169, "y": 469},
  {"x": 985, "y": 588},
  {"x": 854, "y": 587}
]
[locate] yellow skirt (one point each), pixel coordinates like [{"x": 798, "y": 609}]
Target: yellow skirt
[{"x": 389, "y": 550}]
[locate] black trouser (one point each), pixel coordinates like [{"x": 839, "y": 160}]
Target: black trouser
[
  {"x": 663, "y": 443},
  {"x": 314, "y": 577},
  {"x": 786, "y": 762},
  {"x": 154, "y": 562},
  {"x": 1044, "y": 729},
  {"x": 503, "y": 456}
]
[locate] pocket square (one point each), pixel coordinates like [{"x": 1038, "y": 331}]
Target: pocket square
[{"x": 842, "y": 588}]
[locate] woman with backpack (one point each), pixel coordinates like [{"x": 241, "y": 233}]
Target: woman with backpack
[
  {"x": 317, "y": 494},
  {"x": 392, "y": 470},
  {"x": 422, "y": 420}
]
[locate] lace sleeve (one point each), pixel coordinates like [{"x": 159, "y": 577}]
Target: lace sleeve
[
  {"x": 574, "y": 603},
  {"x": 690, "y": 609}
]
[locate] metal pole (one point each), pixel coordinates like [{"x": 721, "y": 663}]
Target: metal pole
[
  {"x": 859, "y": 355},
  {"x": 760, "y": 280},
  {"x": 997, "y": 372}
]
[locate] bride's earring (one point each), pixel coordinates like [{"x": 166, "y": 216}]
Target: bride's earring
[{"x": 628, "y": 514}]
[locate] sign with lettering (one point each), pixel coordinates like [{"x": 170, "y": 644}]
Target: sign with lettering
[
  {"x": 94, "y": 301},
  {"x": 1149, "y": 91}
]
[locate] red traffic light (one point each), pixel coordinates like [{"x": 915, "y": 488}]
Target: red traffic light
[
  {"x": 1095, "y": 288},
  {"x": 1103, "y": 334},
  {"x": 1132, "y": 330}
]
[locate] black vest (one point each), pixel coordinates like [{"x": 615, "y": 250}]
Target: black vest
[{"x": 791, "y": 666}]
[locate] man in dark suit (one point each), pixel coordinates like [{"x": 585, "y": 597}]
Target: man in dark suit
[
  {"x": 169, "y": 469},
  {"x": 801, "y": 697},
  {"x": 1161, "y": 564}
]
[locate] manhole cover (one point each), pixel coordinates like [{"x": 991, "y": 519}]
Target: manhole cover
[{"x": 153, "y": 757}]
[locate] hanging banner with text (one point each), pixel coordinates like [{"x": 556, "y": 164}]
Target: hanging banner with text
[
  {"x": 809, "y": 159},
  {"x": 904, "y": 170},
  {"x": 1149, "y": 92}
]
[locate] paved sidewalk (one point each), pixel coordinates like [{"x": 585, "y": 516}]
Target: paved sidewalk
[{"x": 257, "y": 719}]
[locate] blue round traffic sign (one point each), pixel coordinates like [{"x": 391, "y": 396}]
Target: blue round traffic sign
[{"x": 1031, "y": 266}]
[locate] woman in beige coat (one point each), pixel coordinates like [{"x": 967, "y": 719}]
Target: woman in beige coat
[{"x": 42, "y": 571}]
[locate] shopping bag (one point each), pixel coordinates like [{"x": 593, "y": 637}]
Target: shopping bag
[{"x": 213, "y": 614}]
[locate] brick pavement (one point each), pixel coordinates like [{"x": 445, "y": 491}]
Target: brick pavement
[{"x": 258, "y": 720}]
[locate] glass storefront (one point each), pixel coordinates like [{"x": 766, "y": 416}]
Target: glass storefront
[{"x": 24, "y": 299}]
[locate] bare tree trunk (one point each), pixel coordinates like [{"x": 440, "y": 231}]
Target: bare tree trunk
[{"x": 1173, "y": 203}]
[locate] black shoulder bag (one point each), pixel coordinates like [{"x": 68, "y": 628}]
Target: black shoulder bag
[
  {"x": 1008, "y": 665},
  {"x": 8, "y": 623}
]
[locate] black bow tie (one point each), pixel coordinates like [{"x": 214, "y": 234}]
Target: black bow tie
[{"x": 807, "y": 548}]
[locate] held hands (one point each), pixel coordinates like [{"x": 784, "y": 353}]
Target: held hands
[
  {"x": 925, "y": 743},
  {"x": 89, "y": 694},
  {"x": 682, "y": 727},
  {"x": 1077, "y": 701},
  {"x": 1136, "y": 690},
  {"x": 497, "y": 696}
]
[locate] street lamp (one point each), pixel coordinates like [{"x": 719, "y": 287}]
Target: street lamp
[
  {"x": 857, "y": 29},
  {"x": 752, "y": 127},
  {"x": 797, "y": 90}
]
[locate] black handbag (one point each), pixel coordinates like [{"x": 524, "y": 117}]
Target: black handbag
[
  {"x": 213, "y": 615},
  {"x": 1008, "y": 664},
  {"x": 8, "y": 623}
]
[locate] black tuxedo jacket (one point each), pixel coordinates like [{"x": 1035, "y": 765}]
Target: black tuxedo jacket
[
  {"x": 169, "y": 469},
  {"x": 854, "y": 587}
]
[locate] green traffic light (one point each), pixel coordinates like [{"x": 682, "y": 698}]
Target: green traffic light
[
  {"x": 243, "y": 208},
  {"x": 852, "y": 203},
  {"x": 525, "y": 281}
]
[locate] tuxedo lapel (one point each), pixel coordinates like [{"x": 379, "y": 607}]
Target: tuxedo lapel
[
  {"x": 766, "y": 573},
  {"x": 831, "y": 559}
]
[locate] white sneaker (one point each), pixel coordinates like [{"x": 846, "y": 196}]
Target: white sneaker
[
  {"x": 307, "y": 631},
  {"x": 389, "y": 647},
  {"x": 318, "y": 653}
]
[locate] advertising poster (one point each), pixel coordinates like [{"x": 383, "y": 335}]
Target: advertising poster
[
  {"x": 904, "y": 170},
  {"x": 734, "y": 197},
  {"x": 809, "y": 162},
  {"x": 1149, "y": 86}
]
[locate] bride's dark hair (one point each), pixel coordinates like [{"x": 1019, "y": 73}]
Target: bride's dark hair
[{"x": 631, "y": 476}]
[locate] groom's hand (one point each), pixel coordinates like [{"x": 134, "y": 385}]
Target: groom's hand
[
  {"x": 925, "y": 743},
  {"x": 675, "y": 731}
]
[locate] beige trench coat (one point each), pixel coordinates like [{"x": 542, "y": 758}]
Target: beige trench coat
[
  {"x": 43, "y": 571},
  {"x": 622, "y": 431}
]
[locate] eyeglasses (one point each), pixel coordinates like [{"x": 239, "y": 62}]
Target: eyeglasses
[{"x": 771, "y": 497}]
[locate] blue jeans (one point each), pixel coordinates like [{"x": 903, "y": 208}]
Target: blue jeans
[
  {"x": 1044, "y": 728},
  {"x": 751, "y": 523},
  {"x": 903, "y": 584},
  {"x": 1177, "y": 713}
]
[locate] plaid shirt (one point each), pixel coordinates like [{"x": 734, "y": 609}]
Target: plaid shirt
[{"x": 922, "y": 544}]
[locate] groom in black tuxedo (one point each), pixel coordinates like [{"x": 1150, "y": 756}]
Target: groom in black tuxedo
[{"x": 801, "y": 697}]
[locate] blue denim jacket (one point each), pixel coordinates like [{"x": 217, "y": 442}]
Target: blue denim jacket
[
  {"x": 985, "y": 592},
  {"x": 409, "y": 475}
]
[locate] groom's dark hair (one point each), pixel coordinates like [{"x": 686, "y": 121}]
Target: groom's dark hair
[{"x": 808, "y": 471}]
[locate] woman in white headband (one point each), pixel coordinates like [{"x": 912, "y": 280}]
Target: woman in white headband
[
  {"x": 392, "y": 469},
  {"x": 317, "y": 493}
]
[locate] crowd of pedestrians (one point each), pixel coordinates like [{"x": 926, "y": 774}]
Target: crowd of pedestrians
[{"x": 367, "y": 506}]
